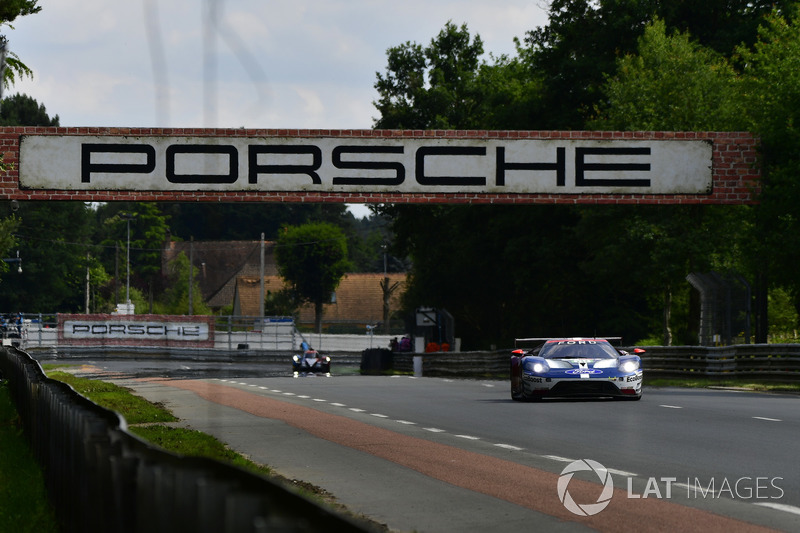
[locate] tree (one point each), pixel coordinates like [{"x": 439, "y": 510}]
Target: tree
[
  {"x": 8, "y": 227},
  {"x": 53, "y": 238},
  {"x": 771, "y": 91},
  {"x": 312, "y": 259},
  {"x": 432, "y": 87},
  {"x": 22, "y": 110},
  {"x": 672, "y": 84},
  {"x": 583, "y": 39},
  {"x": 9, "y": 11},
  {"x": 175, "y": 299},
  {"x": 149, "y": 228}
]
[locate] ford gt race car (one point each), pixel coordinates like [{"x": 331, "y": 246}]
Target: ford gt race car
[{"x": 575, "y": 367}]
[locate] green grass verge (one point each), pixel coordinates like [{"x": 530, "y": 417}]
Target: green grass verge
[
  {"x": 135, "y": 409},
  {"x": 147, "y": 420},
  {"x": 23, "y": 500}
]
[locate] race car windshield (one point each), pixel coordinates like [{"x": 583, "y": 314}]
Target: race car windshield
[{"x": 578, "y": 350}]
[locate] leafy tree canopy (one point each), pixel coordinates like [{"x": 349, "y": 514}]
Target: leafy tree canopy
[
  {"x": 22, "y": 110},
  {"x": 312, "y": 258},
  {"x": 9, "y": 11}
]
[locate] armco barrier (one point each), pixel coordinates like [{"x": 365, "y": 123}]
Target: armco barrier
[
  {"x": 101, "y": 478},
  {"x": 776, "y": 362}
]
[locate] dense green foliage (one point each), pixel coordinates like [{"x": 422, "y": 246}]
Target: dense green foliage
[
  {"x": 312, "y": 258},
  {"x": 617, "y": 65},
  {"x": 10, "y": 10}
]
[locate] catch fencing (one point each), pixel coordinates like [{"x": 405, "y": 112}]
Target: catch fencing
[
  {"x": 101, "y": 478},
  {"x": 234, "y": 334}
]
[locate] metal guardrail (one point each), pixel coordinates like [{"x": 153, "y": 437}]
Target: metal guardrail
[
  {"x": 101, "y": 478},
  {"x": 745, "y": 361},
  {"x": 777, "y": 362}
]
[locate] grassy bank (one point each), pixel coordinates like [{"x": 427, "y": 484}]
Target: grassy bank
[
  {"x": 153, "y": 422},
  {"x": 150, "y": 421}
]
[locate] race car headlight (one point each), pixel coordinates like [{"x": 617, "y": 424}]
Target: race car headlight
[
  {"x": 629, "y": 366},
  {"x": 295, "y": 358},
  {"x": 537, "y": 367}
]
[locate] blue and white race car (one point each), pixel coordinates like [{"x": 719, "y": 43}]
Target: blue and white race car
[{"x": 575, "y": 367}]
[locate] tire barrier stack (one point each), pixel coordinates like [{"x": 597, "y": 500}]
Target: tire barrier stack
[{"x": 101, "y": 478}]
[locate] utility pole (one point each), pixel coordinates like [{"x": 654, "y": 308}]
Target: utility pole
[
  {"x": 191, "y": 273},
  {"x": 261, "y": 275},
  {"x": 88, "y": 255},
  {"x": 127, "y": 217}
]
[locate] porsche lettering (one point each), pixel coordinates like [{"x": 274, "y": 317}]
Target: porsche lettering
[{"x": 306, "y": 160}]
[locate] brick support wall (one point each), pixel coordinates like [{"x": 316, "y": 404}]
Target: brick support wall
[{"x": 735, "y": 171}]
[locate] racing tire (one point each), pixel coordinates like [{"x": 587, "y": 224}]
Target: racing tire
[{"x": 518, "y": 395}]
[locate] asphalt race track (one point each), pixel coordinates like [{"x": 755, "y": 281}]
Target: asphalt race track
[{"x": 432, "y": 454}]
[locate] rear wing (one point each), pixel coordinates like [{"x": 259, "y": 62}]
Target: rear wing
[{"x": 534, "y": 342}]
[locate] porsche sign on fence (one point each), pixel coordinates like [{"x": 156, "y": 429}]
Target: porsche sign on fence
[
  {"x": 136, "y": 330},
  {"x": 378, "y": 166}
]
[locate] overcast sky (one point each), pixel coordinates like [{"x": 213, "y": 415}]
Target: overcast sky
[{"x": 261, "y": 64}]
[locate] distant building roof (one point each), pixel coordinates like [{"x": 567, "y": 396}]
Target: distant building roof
[
  {"x": 358, "y": 299},
  {"x": 218, "y": 264}
]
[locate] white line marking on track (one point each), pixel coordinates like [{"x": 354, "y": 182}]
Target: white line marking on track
[
  {"x": 671, "y": 406},
  {"x": 780, "y": 507},
  {"x": 406, "y": 422},
  {"x": 318, "y": 400},
  {"x": 620, "y": 472},
  {"x": 768, "y": 419},
  {"x": 434, "y": 430},
  {"x": 468, "y": 437},
  {"x": 336, "y": 404},
  {"x": 559, "y": 458},
  {"x": 509, "y": 447},
  {"x": 379, "y": 415},
  {"x": 609, "y": 470},
  {"x": 356, "y": 410}
]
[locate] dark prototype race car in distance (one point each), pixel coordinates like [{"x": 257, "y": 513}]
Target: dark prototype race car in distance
[
  {"x": 575, "y": 367},
  {"x": 311, "y": 362}
]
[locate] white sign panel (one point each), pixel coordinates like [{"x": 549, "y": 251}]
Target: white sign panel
[
  {"x": 344, "y": 164},
  {"x": 135, "y": 330}
]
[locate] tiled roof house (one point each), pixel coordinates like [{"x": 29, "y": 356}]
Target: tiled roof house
[
  {"x": 218, "y": 263},
  {"x": 357, "y": 300}
]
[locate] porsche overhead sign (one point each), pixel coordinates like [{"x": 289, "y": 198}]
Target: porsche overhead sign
[{"x": 365, "y": 165}]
